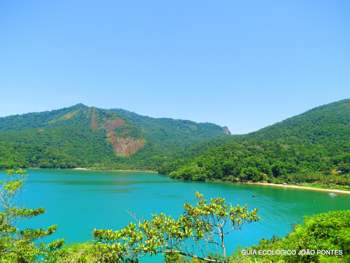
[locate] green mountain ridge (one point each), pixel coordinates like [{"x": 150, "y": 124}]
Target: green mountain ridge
[
  {"x": 88, "y": 136},
  {"x": 320, "y": 123},
  {"x": 310, "y": 147},
  {"x": 307, "y": 147},
  {"x": 185, "y": 133},
  {"x": 35, "y": 119}
]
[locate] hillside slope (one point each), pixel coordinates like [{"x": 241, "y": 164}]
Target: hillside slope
[
  {"x": 313, "y": 146},
  {"x": 88, "y": 136},
  {"x": 327, "y": 123},
  {"x": 172, "y": 134}
]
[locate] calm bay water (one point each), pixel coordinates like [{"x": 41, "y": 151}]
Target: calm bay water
[{"x": 79, "y": 201}]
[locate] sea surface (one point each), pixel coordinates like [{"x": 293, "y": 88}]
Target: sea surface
[{"x": 79, "y": 201}]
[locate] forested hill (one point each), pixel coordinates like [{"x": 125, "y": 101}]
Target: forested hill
[
  {"x": 88, "y": 136},
  {"x": 313, "y": 146},
  {"x": 173, "y": 134},
  {"x": 37, "y": 119},
  {"x": 326, "y": 123}
]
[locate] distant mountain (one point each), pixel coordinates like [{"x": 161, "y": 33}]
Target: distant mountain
[
  {"x": 313, "y": 146},
  {"x": 88, "y": 136},
  {"x": 326, "y": 123},
  {"x": 172, "y": 134}
]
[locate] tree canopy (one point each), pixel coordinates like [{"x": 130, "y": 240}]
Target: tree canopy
[
  {"x": 192, "y": 234},
  {"x": 18, "y": 245}
]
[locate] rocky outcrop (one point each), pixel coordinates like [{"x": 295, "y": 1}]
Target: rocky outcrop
[
  {"x": 71, "y": 114},
  {"x": 225, "y": 130},
  {"x": 110, "y": 125},
  {"x": 123, "y": 146},
  {"x": 126, "y": 146},
  {"x": 94, "y": 120}
]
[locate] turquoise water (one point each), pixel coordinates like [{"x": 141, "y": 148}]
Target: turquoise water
[{"x": 79, "y": 201}]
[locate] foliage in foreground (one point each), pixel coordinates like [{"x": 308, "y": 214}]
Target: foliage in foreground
[
  {"x": 200, "y": 226},
  {"x": 321, "y": 238},
  {"x": 190, "y": 235},
  {"x": 16, "y": 245},
  {"x": 320, "y": 233}
]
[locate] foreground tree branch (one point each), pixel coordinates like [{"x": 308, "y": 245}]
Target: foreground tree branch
[
  {"x": 16, "y": 245},
  {"x": 192, "y": 233}
]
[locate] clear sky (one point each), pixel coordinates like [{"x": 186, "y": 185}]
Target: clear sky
[{"x": 237, "y": 63}]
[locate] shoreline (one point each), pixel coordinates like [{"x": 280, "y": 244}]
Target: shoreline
[
  {"x": 93, "y": 170},
  {"x": 303, "y": 187},
  {"x": 137, "y": 171},
  {"x": 257, "y": 183}
]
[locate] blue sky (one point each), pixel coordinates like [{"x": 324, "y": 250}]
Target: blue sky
[{"x": 240, "y": 64}]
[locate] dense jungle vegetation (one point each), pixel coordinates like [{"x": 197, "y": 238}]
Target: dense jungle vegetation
[
  {"x": 319, "y": 234},
  {"x": 81, "y": 136},
  {"x": 311, "y": 147}
]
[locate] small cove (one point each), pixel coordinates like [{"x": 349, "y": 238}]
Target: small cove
[{"x": 79, "y": 201}]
